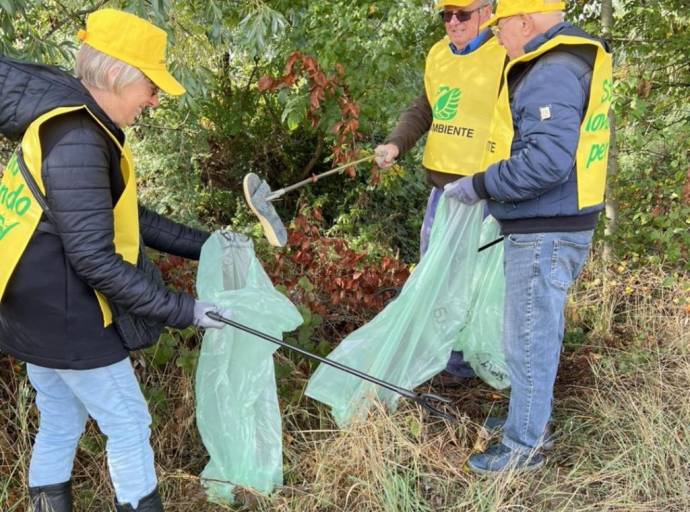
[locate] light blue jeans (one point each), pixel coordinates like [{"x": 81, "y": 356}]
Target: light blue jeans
[
  {"x": 540, "y": 269},
  {"x": 112, "y": 396}
]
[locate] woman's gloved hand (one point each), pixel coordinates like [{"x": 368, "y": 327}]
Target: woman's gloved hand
[{"x": 202, "y": 320}]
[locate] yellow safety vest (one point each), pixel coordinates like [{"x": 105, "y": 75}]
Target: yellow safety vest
[
  {"x": 20, "y": 212},
  {"x": 462, "y": 91},
  {"x": 595, "y": 133}
]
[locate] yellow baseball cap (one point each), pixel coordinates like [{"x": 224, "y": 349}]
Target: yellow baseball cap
[
  {"x": 508, "y": 8},
  {"x": 134, "y": 41},
  {"x": 455, "y": 3}
]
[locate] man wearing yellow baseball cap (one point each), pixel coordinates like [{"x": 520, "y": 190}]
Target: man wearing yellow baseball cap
[
  {"x": 544, "y": 179},
  {"x": 77, "y": 292},
  {"x": 461, "y": 80}
]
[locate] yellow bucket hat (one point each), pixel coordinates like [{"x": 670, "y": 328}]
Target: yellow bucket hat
[
  {"x": 455, "y": 3},
  {"x": 134, "y": 41},
  {"x": 508, "y": 8}
]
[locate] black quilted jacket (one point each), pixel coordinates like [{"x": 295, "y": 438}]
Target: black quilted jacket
[{"x": 49, "y": 315}]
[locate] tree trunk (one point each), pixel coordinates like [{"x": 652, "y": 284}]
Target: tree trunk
[{"x": 611, "y": 204}]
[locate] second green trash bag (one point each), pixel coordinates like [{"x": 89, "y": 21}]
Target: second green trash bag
[
  {"x": 480, "y": 340},
  {"x": 237, "y": 404},
  {"x": 411, "y": 339}
]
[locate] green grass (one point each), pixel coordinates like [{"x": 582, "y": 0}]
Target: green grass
[{"x": 621, "y": 419}]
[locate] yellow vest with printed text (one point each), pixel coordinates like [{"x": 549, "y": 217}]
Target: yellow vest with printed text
[
  {"x": 595, "y": 133},
  {"x": 462, "y": 92},
  {"x": 20, "y": 213}
]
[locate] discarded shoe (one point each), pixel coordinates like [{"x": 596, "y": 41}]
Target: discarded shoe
[{"x": 256, "y": 191}]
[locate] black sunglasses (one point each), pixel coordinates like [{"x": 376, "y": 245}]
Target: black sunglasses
[{"x": 462, "y": 16}]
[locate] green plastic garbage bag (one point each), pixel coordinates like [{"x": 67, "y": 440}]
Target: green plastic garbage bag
[
  {"x": 481, "y": 339},
  {"x": 411, "y": 339},
  {"x": 237, "y": 404}
]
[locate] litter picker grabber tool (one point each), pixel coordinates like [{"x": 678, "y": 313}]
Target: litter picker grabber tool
[
  {"x": 259, "y": 196},
  {"x": 491, "y": 244},
  {"x": 279, "y": 193},
  {"x": 426, "y": 400}
]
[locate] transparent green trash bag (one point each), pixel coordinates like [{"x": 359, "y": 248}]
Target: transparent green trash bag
[
  {"x": 480, "y": 340},
  {"x": 411, "y": 339},
  {"x": 237, "y": 404}
]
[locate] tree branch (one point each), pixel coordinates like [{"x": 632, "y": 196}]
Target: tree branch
[
  {"x": 72, "y": 16},
  {"x": 315, "y": 158}
]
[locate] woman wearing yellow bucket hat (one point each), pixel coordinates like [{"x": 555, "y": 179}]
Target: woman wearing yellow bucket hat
[{"x": 77, "y": 292}]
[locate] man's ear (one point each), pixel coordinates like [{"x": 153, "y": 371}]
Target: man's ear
[
  {"x": 113, "y": 73},
  {"x": 485, "y": 13},
  {"x": 527, "y": 25}
]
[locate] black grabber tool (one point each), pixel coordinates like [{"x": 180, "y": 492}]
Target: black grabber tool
[{"x": 428, "y": 401}]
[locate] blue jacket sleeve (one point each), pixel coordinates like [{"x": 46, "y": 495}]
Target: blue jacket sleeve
[{"x": 545, "y": 154}]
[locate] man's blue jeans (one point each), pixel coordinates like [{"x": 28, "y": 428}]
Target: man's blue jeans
[
  {"x": 112, "y": 396},
  {"x": 539, "y": 269}
]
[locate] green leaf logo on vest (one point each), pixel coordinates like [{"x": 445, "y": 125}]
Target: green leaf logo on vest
[{"x": 446, "y": 107}]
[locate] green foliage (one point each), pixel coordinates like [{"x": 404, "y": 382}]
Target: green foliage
[
  {"x": 162, "y": 352},
  {"x": 175, "y": 346},
  {"x": 37, "y": 30},
  {"x": 386, "y": 218},
  {"x": 652, "y": 90}
]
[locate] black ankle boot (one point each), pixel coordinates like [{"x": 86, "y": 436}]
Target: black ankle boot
[
  {"x": 150, "y": 503},
  {"x": 51, "y": 498}
]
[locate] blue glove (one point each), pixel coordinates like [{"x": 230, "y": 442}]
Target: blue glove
[
  {"x": 201, "y": 320},
  {"x": 462, "y": 190}
]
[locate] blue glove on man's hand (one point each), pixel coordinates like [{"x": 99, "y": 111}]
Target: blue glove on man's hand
[
  {"x": 462, "y": 190},
  {"x": 201, "y": 320}
]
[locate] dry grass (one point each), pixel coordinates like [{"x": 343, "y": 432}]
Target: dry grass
[{"x": 622, "y": 420}]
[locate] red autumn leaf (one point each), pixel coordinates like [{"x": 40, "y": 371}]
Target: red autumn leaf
[
  {"x": 352, "y": 125},
  {"x": 290, "y": 64},
  {"x": 309, "y": 64},
  {"x": 375, "y": 173},
  {"x": 265, "y": 83},
  {"x": 289, "y": 80},
  {"x": 320, "y": 79},
  {"x": 316, "y": 97}
]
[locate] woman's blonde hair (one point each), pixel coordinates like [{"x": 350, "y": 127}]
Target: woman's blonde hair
[{"x": 93, "y": 67}]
